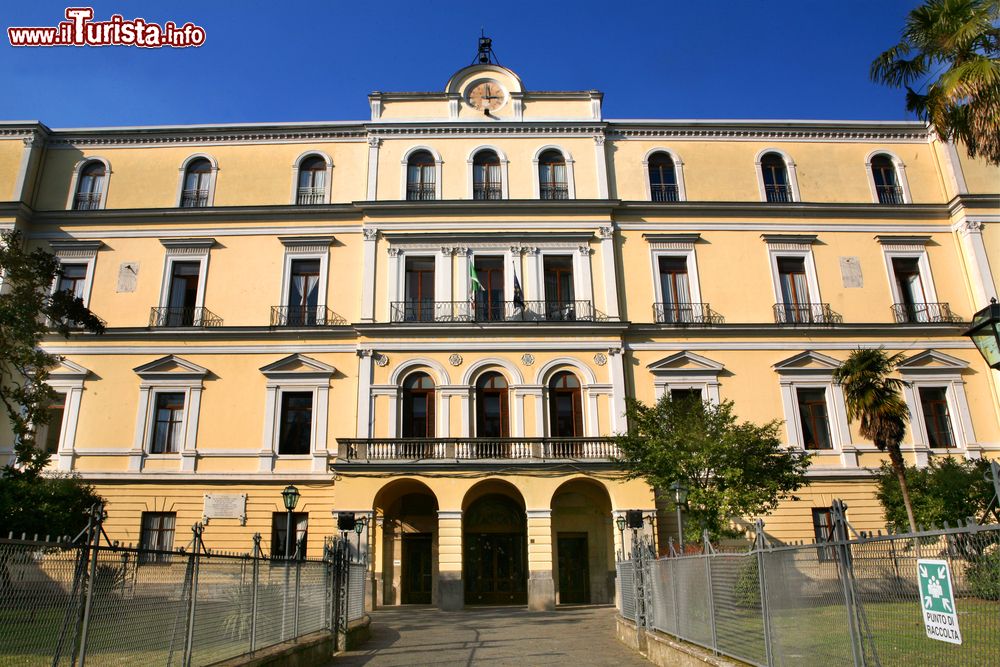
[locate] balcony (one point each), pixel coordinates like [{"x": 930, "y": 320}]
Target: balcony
[
  {"x": 780, "y": 194},
  {"x": 686, "y": 314},
  {"x": 87, "y": 201},
  {"x": 194, "y": 198},
  {"x": 421, "y": 192},
  {"x": 663, "y": 192},
  {"x": 889, "y": 194},
  {"x": 553, "y": 191},
  {"x": 477, "y": 449},
  {"x": 498, "y": 311},
  {"x": 307, "y": 196},
  {"x": 924, "y": 313},
  {"x": 483, "y": 191},
  {"x": 809, "y": 314},
  {"x": 305, "y": 316},
  {"x": 183, "y": 317}
]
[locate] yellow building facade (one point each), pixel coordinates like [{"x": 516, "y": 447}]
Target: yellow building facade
[{"x": 433, "y": 318}]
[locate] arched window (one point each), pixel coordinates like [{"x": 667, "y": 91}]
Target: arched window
[
  {"x": 887, "y": 186},
  {"x": 486, "y": 176},
  {"x": 421, "y": 177},
  {"x": 90, "y": 186},
  {"x": 775, "y": 174},
  {"x": 312, "y": 181},
  {"x": 197, "y": 183},
  {"x": 491, "y": 406},
  {"x": 418, "y": 406},
  {"x": 565, "y": 406},
  {"x": 662, "y": 178},
  {"x": 552, "y": 183}
]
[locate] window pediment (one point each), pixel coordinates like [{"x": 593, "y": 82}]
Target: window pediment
[
  {"x": 298, "y": 366},
  {"x": 68, "y": 370},
  {"x": 807, "y": 363},
  {"x": 685, "y": 363},
  {"x": 170, "y": 367},
  {"x": 932, "y": 361}
]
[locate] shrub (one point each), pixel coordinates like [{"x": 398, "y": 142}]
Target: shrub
[
  {"x": 746, "y": 590},
  {"x": 983, "y": 575}
]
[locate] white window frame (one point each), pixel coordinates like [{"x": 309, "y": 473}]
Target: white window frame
[
  {"x": 943, "y": 371},
  {"x": 306, "y": 247},
  {"x": 504, "y": 165},
  {"x": 213, "y": 177},
  {"x": 795, "y": 246},
  {"x": 674, "y": 245},
  {"x": 793, "y": 178},
  {"x": 908, "y": 247},
  {"x": 812, "y": 370},
  {"x": 678, "y": 172},
  {"x": 582, "y": 278},
  {"x": 296, "y": 166},
  {"x": 67, "y": 379},
  {"x": 305, "y": 375},
  {"x": 900, "y": 166},
  {"x": 186, "y": 378},
  {"x": 438, "y": 170},
  {"x": 75, "y": 181},
  {"x": 185, "y": 250},
  {"x": 687, "y": 370},
  {"x": 77, "y": 252},
  {"x": 570, "y": 176}
]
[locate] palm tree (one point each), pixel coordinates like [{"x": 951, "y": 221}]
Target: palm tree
[
  {"x": 958, "y": 41},
  {"x": 874, "y": 399}
]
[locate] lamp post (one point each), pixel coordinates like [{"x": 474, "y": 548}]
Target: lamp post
[
  {"x": 680, "y": 498},
  {"x": 290, "y": 496},
  {"x": 985, "y": 333},
  {"x": 620, "y": 522},
  {"x": 359, "y": 527}
]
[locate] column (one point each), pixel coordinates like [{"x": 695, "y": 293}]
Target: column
[
  {"x": 600, "y": 158},
  {"x": 451, "y": 591},
  {"x": 364, "y": 393},
  {"x": 970, "y": 233},
  {"x": 462, "y": 269},
  {"x": 29, "y": 157},
  {"x": 616, "y": 365},
  {"x": 541, "y": 587},
  {"x": 607, "y": 235},
  {"x": 443, "y": 280},
  {"x": 373, "y": 144},
  {"x": 368, "y": 274},
  {"x": 532, "y": 279}
]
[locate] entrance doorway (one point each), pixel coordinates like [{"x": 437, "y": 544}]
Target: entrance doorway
[
  {"x": 417, "y": 576},
  {"x": 496, "y": 552},
  {"x": 574, "y": 568}
]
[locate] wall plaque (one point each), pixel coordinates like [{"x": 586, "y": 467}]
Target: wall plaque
[
  {"x": 226, "y": 506},
  {"x": 850, "y": 272}
]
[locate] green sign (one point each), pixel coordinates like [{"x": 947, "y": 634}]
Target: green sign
[{"x": 937, "y": 601}]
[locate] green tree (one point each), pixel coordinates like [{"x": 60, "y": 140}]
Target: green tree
[
  {"x": 952, "y": 46},
  {"x": 731, "y": 468},
  {"x": 29, "y": 311},
  {"x": 946, "y": 490},
  {"x": 874, "y": 399}
]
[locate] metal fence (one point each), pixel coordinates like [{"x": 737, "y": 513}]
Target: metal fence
[
  {"x": 88, "y": 602},
  {"x": 853, "y": 600}
]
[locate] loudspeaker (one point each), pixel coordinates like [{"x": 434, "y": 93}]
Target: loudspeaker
[
  {"x": 633, "y": 518},
  {"x": 345, "y": 521}
]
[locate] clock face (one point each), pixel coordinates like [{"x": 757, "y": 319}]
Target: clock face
[{"x": 487, "y": 96}]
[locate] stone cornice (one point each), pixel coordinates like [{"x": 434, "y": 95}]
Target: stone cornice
[
  {"x": 799, "y": 210},
  {"x": 395, "y": 207},
  {"x": 781, "y": 130}
]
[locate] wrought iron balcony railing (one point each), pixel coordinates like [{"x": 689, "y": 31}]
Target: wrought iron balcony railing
[
  {"x": 465, "y": 449},
  {"x": 306, "y": 196},
  {"x": 663, "y": 192},
  {"x": 194, "y": 198},
  {"x": 486, "y": 191},
  {"x": 305, "y": 316},
  {"x": 806, "y": 313},
  {"x": 183, "y": 317},
  {"x": 553, "y": 191},
  {"x": 87, "y": 201},
  {"x": 924, "y": 313},
  {"x": 778, "y": 193},
  {"x": 497, "y": 311},
  {"x": 421, "y": 192},
  {"x": 694, "y": 314},
  {"x": 889, "y": 194}
]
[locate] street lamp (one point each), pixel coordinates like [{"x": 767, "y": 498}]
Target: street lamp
[
  {"x": 680, "y": 499},
  {"x": 359, "y": 527},
  {"x": 290, "y": 496},
  {"x": 985, "y": 333},
  {"x": 620, "y": 522}
]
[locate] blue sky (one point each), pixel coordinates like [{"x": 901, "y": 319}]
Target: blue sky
[{"x": 298, "y": 61}]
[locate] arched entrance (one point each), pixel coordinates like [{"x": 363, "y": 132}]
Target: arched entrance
[
  {"x": 406, "y": 566},
  {"x": 495, "y": 540},
  {"x": 583, "y": 543}
]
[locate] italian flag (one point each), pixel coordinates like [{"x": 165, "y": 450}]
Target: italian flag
[{"x": 474, "y": 284}]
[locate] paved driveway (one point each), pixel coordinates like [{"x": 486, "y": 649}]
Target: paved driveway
[{"x": 492, "y": 636}]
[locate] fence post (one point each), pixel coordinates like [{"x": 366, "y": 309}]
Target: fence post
[
  {"x": 196, "y": 546},
  {"x": 298, "y": 589},
  {"x": 759, "y": 542},
  {"x": 846, "y": 579},
  {"x": 707, "y": 550},
  {"x": 253, "y": 600},
  {"x": 97, "y": 516}
]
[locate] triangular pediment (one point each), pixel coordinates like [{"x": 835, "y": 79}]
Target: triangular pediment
[
  {"x": 68, "y": 370},
  {"x": 685, "y": 363},
  {"x": 806, "y": 362},
  {"x": 933, "y": 360},
  {"x": 170, "y": 365},
  {"x": 297, "y": 364}
]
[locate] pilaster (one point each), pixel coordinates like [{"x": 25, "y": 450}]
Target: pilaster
[
  {"x": 610, "y": 273},
  {"x": 451, "y": 591},
  {"x": 368, "y": 274},
  {"x": 541, "y": 587}
]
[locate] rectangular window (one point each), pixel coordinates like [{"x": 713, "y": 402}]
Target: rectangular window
[
  {"x": 814, "y": 418},
  {"x": 675, "y": 290},
  {"x": 157, "y": 535},
  {"x": 822, "y": 518},
  {"x": 685, "y": 395},
  {"x": 419, "y": 290},
  {"x": 47, "y": 435},
  {"x": 934, "y": 403},
  {"x": 911, "y": 288},
  {"x": 183, "y": 297},
  {"x": 295, "y": 435},
  {"x": 794, "y": 289},
  {"x": 168, "y": 420},
  {"x": 72, "y": 279},
  {"x": 303, "y": 292},
  {"x": 560, "y": 295},
  {"x": 279, "y": 529},
  {"x": 489, "y": 300}
]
